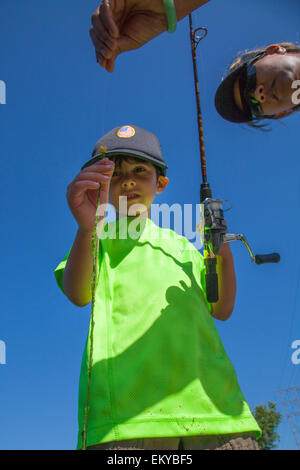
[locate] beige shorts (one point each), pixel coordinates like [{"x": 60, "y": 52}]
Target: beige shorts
[{"x": 241, "y": 441}]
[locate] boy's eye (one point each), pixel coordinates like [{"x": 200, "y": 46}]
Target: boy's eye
[{"x": 137, "y": 169}]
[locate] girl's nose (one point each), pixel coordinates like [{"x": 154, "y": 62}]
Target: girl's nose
[{"x": 259, "y": 94}]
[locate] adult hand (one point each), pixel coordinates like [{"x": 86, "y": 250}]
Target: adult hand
[{"x": 123, "y": 25}]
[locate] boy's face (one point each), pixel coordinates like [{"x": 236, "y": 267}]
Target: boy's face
[{"x": 137, "y": 180}]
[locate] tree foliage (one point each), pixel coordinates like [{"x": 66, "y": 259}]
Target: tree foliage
[{"x": 268, "y": 420}]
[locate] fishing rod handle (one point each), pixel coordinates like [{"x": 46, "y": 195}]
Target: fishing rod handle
[
  {"x": 211, "y": 280},
  {"x": 270, "y": 258}
]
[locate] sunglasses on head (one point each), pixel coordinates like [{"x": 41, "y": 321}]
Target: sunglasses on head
[{"x": 248, "y": 84}]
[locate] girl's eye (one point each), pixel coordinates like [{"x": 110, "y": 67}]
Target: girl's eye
[{"x": 140, "y": 168}]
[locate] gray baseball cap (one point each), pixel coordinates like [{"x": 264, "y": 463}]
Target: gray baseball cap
[{"x": 132, "y": 141}]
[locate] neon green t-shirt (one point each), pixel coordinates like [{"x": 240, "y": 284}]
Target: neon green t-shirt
[{"x": 159, "y": 366}]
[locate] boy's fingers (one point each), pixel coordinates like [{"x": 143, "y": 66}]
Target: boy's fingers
[
  {"x": 93, "y": 173},
  {"x": 100, "y": 166},
  {"x": 76, "y": 190},
  {"x": 80, "y": 187},
  {"x": 104, "y": 164},
  {"x": 95, "y": 177},
  {"x": 104, "y": 176}
]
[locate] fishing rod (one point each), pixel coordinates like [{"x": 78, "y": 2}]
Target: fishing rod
[{"x": 213, "y": 224}]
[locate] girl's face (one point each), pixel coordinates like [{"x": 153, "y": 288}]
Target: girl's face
[
  {"x": 275, "y": 74},
  {"x": 138, "y": 182}
]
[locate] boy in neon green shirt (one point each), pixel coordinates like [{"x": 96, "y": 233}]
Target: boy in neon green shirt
[{"x": 160, "y": 378}]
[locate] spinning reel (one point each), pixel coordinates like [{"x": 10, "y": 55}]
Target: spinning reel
[{"x": 213, "y": 238}]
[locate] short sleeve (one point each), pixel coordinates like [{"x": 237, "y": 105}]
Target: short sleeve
[{"x": 59, "y": 271}]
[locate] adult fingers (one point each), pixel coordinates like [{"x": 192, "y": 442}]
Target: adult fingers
[
  {"x": 98, "y": 22},
  {"x": 101, "y": 61},
  {"x": 99, "y": 26},
  {"x": 102, "y": 39},
  {"x": 110, "y": 63},
  {"x": 106, "y": 14},
  {"x": 101, "y": 45}
]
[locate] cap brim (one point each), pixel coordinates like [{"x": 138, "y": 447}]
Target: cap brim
[
  {"x": 225, "y": 102},
  {"x": 141, "y": 155}
]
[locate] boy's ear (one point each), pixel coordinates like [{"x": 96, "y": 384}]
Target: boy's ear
[{"x": 161, "y": 184}]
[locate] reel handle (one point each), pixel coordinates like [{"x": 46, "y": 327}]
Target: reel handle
[{"x": 271, "y": 258}]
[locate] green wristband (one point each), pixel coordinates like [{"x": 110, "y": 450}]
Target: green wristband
[{"x": 171, "y": 15}]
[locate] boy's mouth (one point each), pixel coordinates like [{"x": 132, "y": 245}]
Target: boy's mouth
[{"x": 131, "y": 196}]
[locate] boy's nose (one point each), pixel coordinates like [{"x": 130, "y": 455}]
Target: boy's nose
[
  {"x": 260, "y": 94},
  {"x": 128, "y": 184}
]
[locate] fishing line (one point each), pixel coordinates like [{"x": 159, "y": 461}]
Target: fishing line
[{"x": 95, "y": 255}]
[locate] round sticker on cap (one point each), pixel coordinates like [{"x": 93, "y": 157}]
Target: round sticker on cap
[{"x": 125, "y": 132}]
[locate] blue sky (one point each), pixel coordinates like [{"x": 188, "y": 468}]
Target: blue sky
[{"x": 58, "y": 104}]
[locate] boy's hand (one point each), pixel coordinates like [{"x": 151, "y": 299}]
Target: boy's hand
[
  {"x": 225, "y": 248},
  {"x": 222, "y": 309},
  {"x": 82, "y": 193},
  {"x": 123, "y": 25}
]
